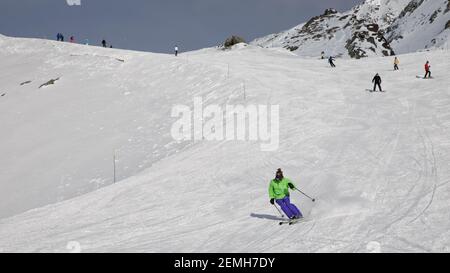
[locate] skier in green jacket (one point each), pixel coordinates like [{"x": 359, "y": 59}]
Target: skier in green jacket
[{"x": 279, "y": 192}]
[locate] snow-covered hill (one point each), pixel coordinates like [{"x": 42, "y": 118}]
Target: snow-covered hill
[
  {"x": 59, "y": 141},
  {"x": 422, "y": 24},
  {"x": 368, "y": 30},
  {"x": 376, "y": 162}
]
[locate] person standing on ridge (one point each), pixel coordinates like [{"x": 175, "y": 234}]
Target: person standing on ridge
[
  {"x": 377, "y": 82},
  {"x": 176, "y": 51},
  {"x": 72, "y": 39},
  {"x": 279, "y": 193},
  {"x": 396, "y": 63},
  {"x": 104, "y": 43},
  {"x": 331, "y": 61},
  {"x": 427, "y": 70}
]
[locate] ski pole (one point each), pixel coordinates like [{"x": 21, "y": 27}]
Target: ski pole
[
  {"x": 313, "y": 199},
  {"x": 281, "y": 214}
]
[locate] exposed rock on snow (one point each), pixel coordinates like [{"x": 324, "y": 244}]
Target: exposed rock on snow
[
  {"x": 233, "y": 40},
  {"x": 24, "y": 83},
  {"x": 50, "y": 82}
]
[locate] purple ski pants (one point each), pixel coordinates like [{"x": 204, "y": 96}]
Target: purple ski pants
[{"x": 289, "y": 209}]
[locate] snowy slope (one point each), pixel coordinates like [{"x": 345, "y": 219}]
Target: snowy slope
[
  {"x": 378, "y": 163},
  {"x": 59, "y": 141},
  {"x": 367, "y": 30}
]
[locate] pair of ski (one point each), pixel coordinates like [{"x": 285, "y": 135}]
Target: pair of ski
[{"x": 291, "y": 222}]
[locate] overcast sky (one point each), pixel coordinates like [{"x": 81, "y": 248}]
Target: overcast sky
[{"x": 157, "y": 25}]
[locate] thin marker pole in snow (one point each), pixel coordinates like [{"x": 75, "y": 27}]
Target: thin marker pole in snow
[
  {"x": 243, "y": 86},
  {"x": 114, "y": 167}
]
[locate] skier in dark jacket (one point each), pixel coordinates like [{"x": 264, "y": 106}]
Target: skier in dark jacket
[
  {"x": 279, "y": 192},
  {"x": 377, "y": 82},
  {"x": 104, "y": 43},
  {"x": 331, "y": 61}
]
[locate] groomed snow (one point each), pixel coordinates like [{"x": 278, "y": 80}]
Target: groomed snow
[{"x": 376, "y": 162}]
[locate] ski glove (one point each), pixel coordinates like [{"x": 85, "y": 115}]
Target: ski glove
[
  {"x": 291, "y": 186},
  {"x": 272, "y": 201}
]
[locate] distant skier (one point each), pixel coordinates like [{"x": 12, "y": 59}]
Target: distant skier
[
  {"x": 322, "y": 55},
  {"x": 279, "y": 192},
  {"x": 377, "y": 82},
  {"x": 58, "y": 37},
  {"x": 396, "y": 63},
  {"x": 72, "y": 39},
  {"x": 176, "y": 51},
  {"x": 104, "y": 43},
  {"x": 427, "y": 70},
  {"x": 331, "y": 61}
]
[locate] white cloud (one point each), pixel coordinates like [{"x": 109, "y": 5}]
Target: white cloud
[{"x": 73, "y": 2}]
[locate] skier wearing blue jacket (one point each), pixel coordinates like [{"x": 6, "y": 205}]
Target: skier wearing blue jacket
[{"x": 279, "y": 192}]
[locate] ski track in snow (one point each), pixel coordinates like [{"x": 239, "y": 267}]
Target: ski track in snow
[{"x": 377, "y": 163}]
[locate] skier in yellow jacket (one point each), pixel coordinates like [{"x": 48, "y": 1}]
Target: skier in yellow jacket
[{"x": 396, "y": 63}]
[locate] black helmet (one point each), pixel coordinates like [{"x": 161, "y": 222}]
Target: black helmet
[{"x": 279, "y": 175}]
